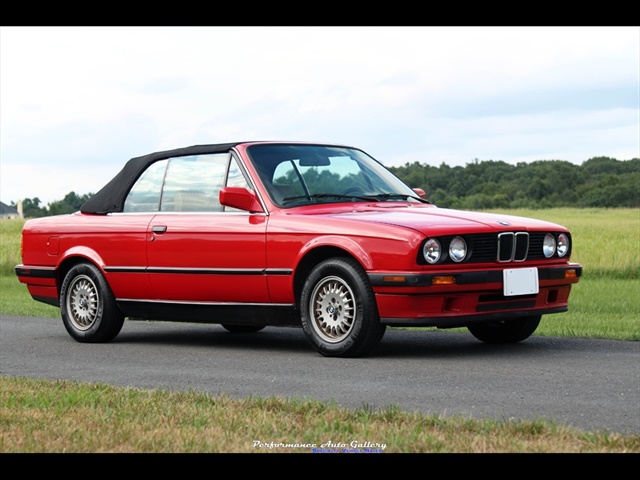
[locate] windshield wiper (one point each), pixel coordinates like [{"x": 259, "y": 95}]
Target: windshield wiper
[
  {"x": 399, "y": 195},
  {"x": 328, "y": 195}
]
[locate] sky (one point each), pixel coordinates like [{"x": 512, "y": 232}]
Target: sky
[{"x": 77, "y": 102}]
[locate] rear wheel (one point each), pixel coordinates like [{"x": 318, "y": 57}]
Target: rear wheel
[
  {"x": 338, "y": 309},
  {"x": 89, "y": 310},
  {"x": 507, "y": 331}
]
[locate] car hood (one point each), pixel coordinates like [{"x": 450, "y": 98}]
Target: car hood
[{"x": 432, "y": 220}]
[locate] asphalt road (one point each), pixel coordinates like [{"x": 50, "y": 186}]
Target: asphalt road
[{"x": 591, "y": 385}]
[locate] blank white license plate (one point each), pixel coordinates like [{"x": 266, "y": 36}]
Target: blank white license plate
[{"x": 520, "y": 281}]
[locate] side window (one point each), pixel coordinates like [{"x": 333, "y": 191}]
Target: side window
[
  {"x": 145, "y": 194},
  {"x": 180, "y": 184},
  {"x": 193, "y": 183},
  {"x": 235, "y": 178}
]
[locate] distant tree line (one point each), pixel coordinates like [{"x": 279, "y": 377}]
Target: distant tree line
[
  {"x": 70, "y": 203},
  {"x": 600, "y": 182}
]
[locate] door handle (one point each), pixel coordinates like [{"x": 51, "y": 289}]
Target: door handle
[{"x": 159, "y": 229}]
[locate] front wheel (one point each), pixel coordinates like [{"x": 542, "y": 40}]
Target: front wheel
[
  {"x": 338, "y": 310},
  {"x": 507, "y": 331},
  {"x": 89, "y": 310}
]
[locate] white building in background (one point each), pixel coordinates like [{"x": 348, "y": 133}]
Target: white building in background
[{"x": 8, "y": 213}]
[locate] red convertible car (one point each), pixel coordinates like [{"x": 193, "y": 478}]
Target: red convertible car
[{"x": 321, "y": 236}]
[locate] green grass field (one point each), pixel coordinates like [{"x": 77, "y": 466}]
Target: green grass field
[
  {"x": 603, "y": 305},
  {"x": 38, "y": 416},
  {"x": 605, "y": 241}
]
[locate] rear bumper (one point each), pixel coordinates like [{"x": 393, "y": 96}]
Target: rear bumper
[{"x": 41, "y": 283}]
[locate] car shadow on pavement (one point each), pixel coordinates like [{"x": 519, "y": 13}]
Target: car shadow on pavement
[{"x": 396, "y": 343}]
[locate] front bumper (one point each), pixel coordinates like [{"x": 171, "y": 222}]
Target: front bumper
[{"x": 452, "y": 299}]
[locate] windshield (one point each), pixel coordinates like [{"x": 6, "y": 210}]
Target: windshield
[{"x": 302, "y": 174}]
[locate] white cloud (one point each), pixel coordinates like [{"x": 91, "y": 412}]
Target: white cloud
[{"x": 77, "y": 102}]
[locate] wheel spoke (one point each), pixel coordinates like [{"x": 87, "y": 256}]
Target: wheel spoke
[
  {"x": 83, "y": 303},
  {"x": 333, "y": 309}
]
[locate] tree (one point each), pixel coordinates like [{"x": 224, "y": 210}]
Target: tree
[
  {"x": 31, "y": 208},
  {"x": 71, "y": 203}
]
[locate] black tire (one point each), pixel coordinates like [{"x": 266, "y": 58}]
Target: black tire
[
  {"x": 508, "y": 331},
  {"x": 242, "y": 328},
  {"x": 89, "y": 310},
  {"x": 338, "y": 310}
]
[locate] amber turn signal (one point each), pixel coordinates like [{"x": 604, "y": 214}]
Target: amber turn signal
[
  {"x": 398, "y": 279},
  {"x": 443, "y": 280},
  {"x": 570, "y": 273}
]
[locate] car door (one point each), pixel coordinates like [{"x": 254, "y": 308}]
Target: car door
[{"x": 198, "y": 251}]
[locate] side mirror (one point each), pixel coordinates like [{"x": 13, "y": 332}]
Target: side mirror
[
  {"x": 240, "y": 198},
  {"x": 421, "y": 193}
]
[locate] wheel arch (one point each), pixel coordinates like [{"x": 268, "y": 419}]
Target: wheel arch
[
  {"x": 74, "y": 257},
  {"x": 312, "y": 258}
]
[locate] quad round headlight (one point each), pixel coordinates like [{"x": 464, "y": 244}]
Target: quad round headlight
[
  {"x": 432, "y": 250},
  {"x": 549, "y": 245},
  {"x": 458, "y": 249},
  {"x": 563, "y": 244}
]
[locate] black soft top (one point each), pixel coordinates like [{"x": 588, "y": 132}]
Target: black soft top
[{"x": 110, "y": 198}]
